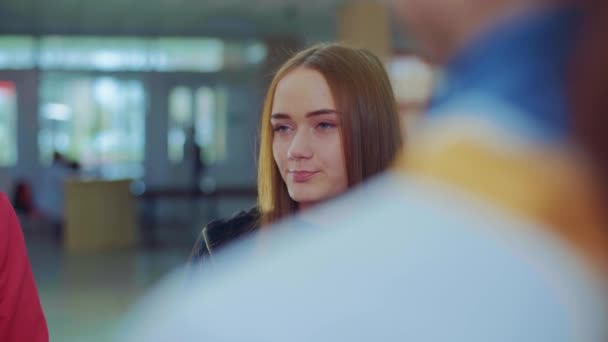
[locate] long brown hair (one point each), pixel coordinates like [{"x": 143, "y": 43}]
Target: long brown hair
[{"x": 370, "y": 134}]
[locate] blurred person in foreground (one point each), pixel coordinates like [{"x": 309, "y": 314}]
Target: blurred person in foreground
[
  {"x": 490, "y": 228},
  {"x": 329, "y": 122},
  {"x": 21, "y": 316}
]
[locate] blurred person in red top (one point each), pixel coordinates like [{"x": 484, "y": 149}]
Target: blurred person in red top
[{"x": 21, "y": 316}]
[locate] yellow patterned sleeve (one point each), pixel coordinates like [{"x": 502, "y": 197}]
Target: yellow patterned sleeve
[{"x": 546, "y": 184}]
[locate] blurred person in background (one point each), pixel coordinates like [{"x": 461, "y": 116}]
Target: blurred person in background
[
  {"x": 491, "y": 228},
  {"x": 24, "y": 202},
  {"x": 21, "y": 316},
  {"x": 329, "y": 122},
  {"x": 195, "y": 159},
  {"x": 23, "y": 199},
  {"x": 52, "y": 198}
]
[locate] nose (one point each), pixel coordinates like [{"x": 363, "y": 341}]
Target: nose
[{"x": 300, "y": 147}]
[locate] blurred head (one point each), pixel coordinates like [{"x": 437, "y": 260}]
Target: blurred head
[
  {"x": 441, "y": 27},
  {"x": 57, "y": 157},
  {"x": 329, "y": 122}
]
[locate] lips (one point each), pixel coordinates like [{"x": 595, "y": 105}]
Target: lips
[{"x": 302, "y": 176}]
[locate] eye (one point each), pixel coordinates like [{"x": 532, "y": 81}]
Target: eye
[
  {"x": 281, "y": 128},
  {"x": 325, "y": 126}
]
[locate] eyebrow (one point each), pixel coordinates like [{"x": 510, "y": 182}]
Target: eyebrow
[{"x": 308, "y": 115}]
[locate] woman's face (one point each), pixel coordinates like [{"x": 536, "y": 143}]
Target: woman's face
[{"x": 307, "y": 144}]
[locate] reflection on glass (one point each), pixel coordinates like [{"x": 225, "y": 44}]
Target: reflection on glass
[
  {"x": 16, "y": 52},
  {"x": 94, "y": 53},
  {"x": 131, "y": 54},
  {"x": 98, "y": 121},
  {"x": 128, "y": 53},
  {"x": 187, "y": 54},
  {"x": 212, "y": 123},
  {"x": 237, "y": 54},
  {"x": 205, "y": 122},
  {"x": 8, "y": 124},
  {"x": 180, "y": 120},
  {"x": 205, "y": 126}
]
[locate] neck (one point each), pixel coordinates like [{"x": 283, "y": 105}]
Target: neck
[{"x": 305, "y": 206}]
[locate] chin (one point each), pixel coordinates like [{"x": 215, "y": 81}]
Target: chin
[
  {"x": 305, "y": 198},
  {"x": 306, "y": 195}
]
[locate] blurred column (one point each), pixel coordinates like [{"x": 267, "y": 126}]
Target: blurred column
[{"x": 366, "y": 24}]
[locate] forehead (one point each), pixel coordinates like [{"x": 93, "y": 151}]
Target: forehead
[{"x": 302, "y": 90}]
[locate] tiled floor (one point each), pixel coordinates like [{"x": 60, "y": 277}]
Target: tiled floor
[{"x": 84, "y": 296}]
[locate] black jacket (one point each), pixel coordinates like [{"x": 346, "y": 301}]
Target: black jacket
[{"x": 221, "y": 232}]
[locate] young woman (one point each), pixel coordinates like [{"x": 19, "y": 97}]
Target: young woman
[{"x": 329, "y": 122}]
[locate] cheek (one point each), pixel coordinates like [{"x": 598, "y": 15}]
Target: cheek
[
  {"x": 341, "y": 170},
  {"x": 279, "y": 152},
  {"x": 333, "y": 154}
]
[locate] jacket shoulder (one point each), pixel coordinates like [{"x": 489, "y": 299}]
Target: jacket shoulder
[{"x": 220, "y": 232}]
